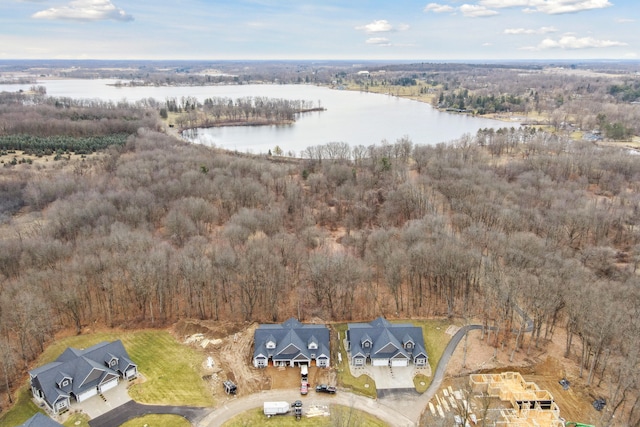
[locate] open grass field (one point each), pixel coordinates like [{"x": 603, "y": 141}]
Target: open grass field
[
  {"x": 171, "y": 370},
  {"x": 340, "y": 416},
  {"x": 158, "y": 421}
]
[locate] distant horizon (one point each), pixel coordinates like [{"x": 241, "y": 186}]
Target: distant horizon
[
  {"x": 330, "y": 60},
  {"x": 447, "y": 30}
]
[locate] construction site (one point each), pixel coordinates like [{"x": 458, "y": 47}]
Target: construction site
[{"x": 529, "y": 405}]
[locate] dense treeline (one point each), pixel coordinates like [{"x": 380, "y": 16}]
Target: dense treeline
[
  {"x": 246, "y": 110},
  {"x": 162, "y": 230},
  {"x": 39, "y": 146},
  {"x": 44, "y": 117}
]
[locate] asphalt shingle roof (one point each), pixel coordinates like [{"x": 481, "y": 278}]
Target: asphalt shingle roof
[
  {"x": 40, "y": 420},
  {"x": 86, "y": 368},
  {"x": 289, "y": 334},
  {"x": 388, "y": 339}
]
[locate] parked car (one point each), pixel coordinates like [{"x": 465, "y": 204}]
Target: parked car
[
  {"x": 304, "y": 388},
  {"x": 323, "y": 388},
  {"x": 297, "y": 404},
  {"x": 229, "y": 387}
]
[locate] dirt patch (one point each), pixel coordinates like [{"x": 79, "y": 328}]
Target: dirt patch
[{"x": 226, "y": 352}]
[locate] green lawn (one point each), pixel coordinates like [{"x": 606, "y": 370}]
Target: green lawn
[
  {"x": 77, "y": 420},
  {"x": 171, "y": 370},
  {"x": 21, "y": 411},
  {"x": 363, "y": 384},
  {"x": 158, "y": 421},
  {"x": 435, "y": 338},
  {"x": 340, "y": 416}
]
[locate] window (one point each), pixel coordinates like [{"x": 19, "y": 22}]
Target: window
[
  {"x": 271, "y": 344},
  {"x": 65, "y": 382}
]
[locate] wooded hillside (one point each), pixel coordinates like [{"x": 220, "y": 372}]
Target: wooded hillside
[{"x": 157, "y": 229}]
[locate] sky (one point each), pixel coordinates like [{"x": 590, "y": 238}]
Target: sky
[{"x": 320, "y": 29}]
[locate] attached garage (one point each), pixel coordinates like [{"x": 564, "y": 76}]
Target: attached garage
[
  {"x": 132, "y": 372},
  {"x": 81, "y": 397},
  {"x": 400, "y": 362},
  {"x": 112, "y": 383},
  {"x": 380, "y": 362}
]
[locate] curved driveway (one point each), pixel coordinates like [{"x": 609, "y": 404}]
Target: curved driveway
[{"x": 131, "y": 410}]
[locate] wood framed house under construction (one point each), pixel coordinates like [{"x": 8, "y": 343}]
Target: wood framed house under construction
[{"x": 530, "y": 406}]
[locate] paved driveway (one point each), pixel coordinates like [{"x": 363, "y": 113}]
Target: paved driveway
[
  {"x": 96, "y": 406},
  {"x": 391, "y": 378},
  {"x": 133, "y": 409}
]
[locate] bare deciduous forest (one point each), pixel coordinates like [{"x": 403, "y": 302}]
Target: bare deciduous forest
[{"x": 154, "y": 229}]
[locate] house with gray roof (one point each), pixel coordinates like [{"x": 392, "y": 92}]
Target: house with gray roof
[
  {"x": 382, "y": 343},
  {"x": 40, "y": 420},
  {"x": 81, "y": 374},
  {"x": 291, "y": 344}
]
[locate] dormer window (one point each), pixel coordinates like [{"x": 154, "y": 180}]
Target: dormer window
[
  {"x": 65, "y": 382},
  {"x": 408, "y": 345},
  {"x": 313, "y": 343},
  {"x": 271, "y": 344},
  {"x": 366, "y": 341}
]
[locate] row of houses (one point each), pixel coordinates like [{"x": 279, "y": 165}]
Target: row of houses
[
  {"x": 378, "y": 343},
  {"x": 79, "y": 374}
]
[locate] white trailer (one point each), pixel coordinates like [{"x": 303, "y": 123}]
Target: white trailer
[{"x": 276, "y": 408}]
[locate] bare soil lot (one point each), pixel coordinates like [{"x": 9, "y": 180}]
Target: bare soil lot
[{"x": 230, "y": 346}]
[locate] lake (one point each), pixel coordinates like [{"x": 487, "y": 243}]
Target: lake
[{"x": 356, "y": 118}]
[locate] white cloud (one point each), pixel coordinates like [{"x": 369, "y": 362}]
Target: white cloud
[
  {"x": 541, "y": 30},
  {"x": 551, "y": 7},
  {"x": 379, "y": 41},
  {"x": 468, "y": 10},
  {"x": 439, "y": 8},
  {"x": 476, "y": 11},
  {"x": 572, "y": 42},
  {"x": 380, "y": 26},
  {"x": 85, "y": 10},
  {"x": 625, "y": 20}
]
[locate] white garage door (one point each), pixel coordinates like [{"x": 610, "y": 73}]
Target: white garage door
[
  {"x": 87, "y": 394},
  {"x": 108, "y": 385},
  {"x": 380, "y": 362},
  {"x": 400, "y": 362}
]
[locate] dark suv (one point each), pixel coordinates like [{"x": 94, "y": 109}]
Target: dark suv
[{"x": 323, "y": 388}]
